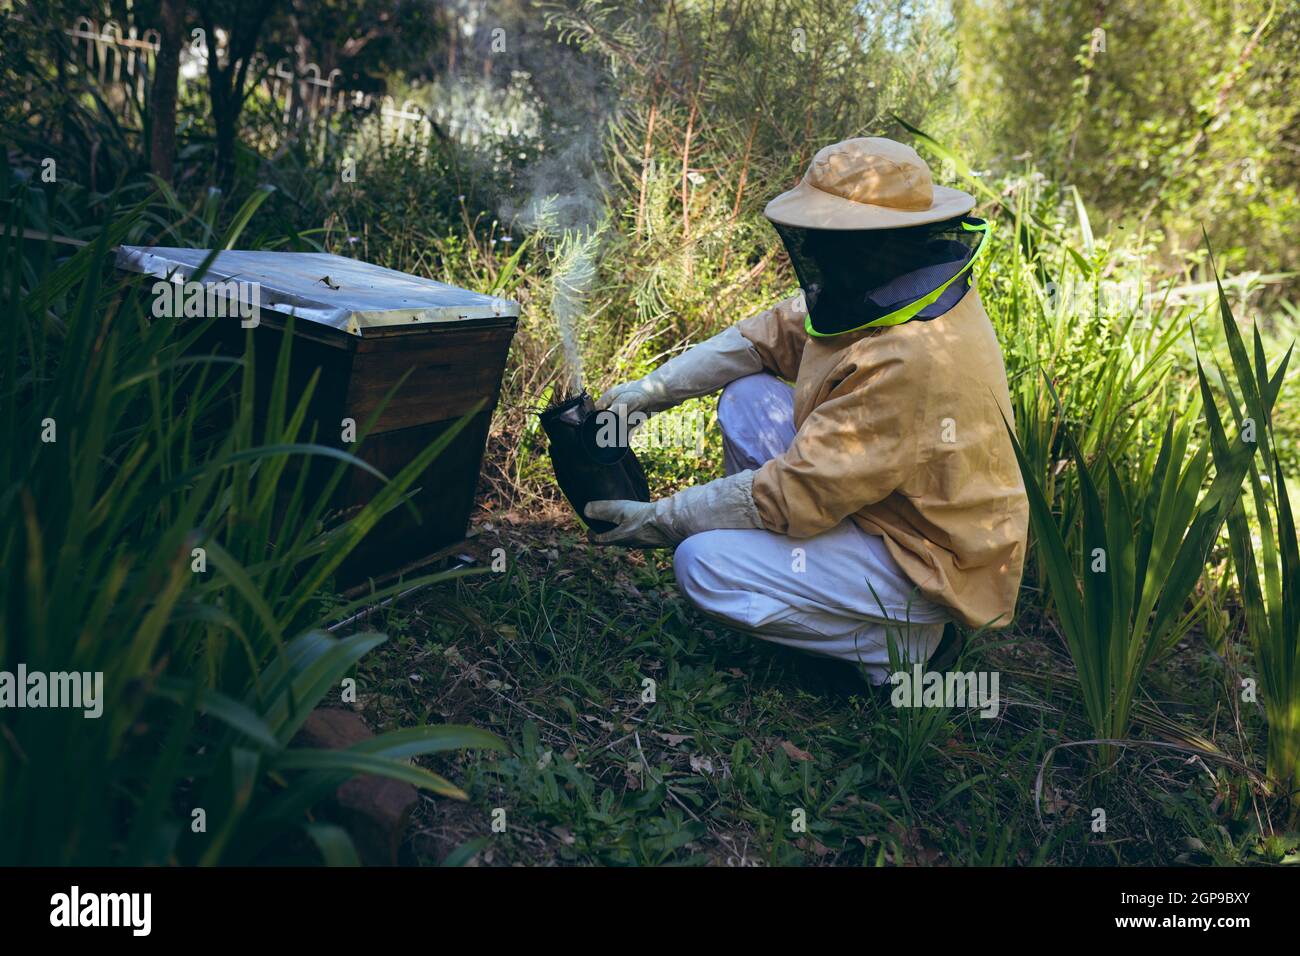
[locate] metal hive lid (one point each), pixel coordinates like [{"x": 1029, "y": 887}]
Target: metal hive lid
[{"x": 332, "y": 290}]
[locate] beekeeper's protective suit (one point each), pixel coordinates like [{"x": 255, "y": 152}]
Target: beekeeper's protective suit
[{"x": 880, "y": 494}]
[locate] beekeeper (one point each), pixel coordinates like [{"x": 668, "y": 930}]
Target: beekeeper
[{"x": 879, "y": 496}]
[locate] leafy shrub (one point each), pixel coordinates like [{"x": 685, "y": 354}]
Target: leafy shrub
[{"x": 126, "y": 471}]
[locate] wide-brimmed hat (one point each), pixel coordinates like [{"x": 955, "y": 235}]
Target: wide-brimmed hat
[{"x": 867, "y": 183}]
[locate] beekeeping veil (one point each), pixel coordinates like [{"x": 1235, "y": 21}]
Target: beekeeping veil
[{"x": 873, "y": 241}]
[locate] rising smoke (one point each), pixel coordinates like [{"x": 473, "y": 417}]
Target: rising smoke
[
  {"x": 560, "y": 196},
  {"x": 566, "y": 208},
  {"x": 572, "y": 273}
]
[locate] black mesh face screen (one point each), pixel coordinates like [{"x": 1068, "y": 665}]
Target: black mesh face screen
[{"x": 854, "y": 277}]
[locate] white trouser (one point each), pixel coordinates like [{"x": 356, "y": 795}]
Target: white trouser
[{"x": 839, "y": 593}]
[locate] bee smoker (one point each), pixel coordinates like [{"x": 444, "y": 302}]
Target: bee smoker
[{"x": 588, "y": 468}]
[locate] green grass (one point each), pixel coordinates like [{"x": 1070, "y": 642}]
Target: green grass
[
  {"x": 551, "y": 656},
  {"x": 1268, "y": 575},
  {"x": 1122, "y": 586}
]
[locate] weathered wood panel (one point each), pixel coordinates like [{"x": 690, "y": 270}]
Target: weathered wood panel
[
  {"x": 449, "y": 371},
  {"x": 443, "y": 495}
]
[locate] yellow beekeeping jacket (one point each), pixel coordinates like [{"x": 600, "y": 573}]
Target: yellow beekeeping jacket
[{"x": 901, "y": 429}]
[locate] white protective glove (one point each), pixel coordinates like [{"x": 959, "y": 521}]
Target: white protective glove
[
  {"x": 700, "y": 370},
  {"x": 723, "y": 503}
]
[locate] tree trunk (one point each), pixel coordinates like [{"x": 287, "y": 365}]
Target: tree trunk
[
  {"x": 225, "y": 110},
  {"x": 224, "y": 117},
  {"x": 226, "y": 84},
  {"x": 162, "y": 138}
]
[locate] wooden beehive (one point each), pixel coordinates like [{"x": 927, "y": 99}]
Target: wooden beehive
[{"x": 364, "y": 328}]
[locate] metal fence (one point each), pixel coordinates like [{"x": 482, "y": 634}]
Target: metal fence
[{"x": 120, "y": 66}]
